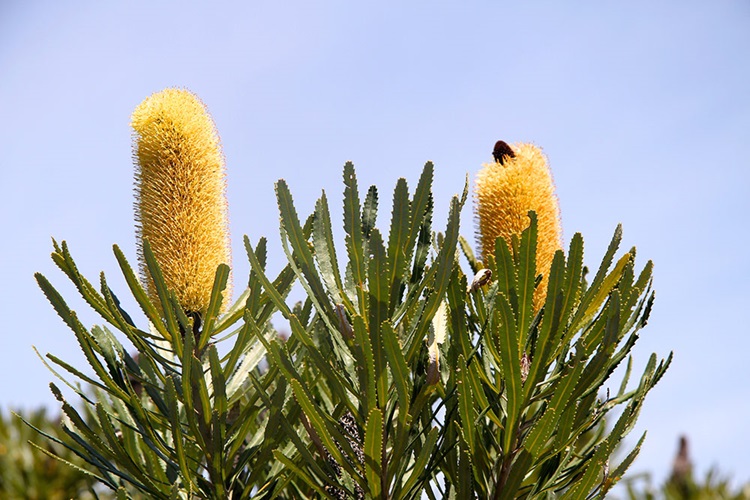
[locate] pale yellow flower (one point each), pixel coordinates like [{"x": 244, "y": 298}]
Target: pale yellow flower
[
  {"x": 180, "y": 185},
  {"x": 518, "y": 181}
]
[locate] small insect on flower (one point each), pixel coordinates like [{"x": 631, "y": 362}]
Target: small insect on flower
[{"x": 480, "y": 279}]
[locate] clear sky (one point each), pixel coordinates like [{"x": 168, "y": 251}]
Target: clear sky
[{"x": 643, "y": 109}]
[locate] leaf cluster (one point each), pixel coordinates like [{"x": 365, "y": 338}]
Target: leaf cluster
[{"x": 395, "y": 382}]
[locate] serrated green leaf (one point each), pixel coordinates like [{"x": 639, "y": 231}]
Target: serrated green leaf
[
  {"x": 420, "y": 464},
  {"x": 140, "y": 294},
  {"x": 466, "y": 404},
  {"x": 272, "y": 292},
  {"x": 464, "y": 483},
  {"x": 154, "y": 270},
  {"x": 214, "y": 305},
  {"x": 176, "y": 428},
  {"x": 369, "y": 212},
  {"x": 443, "y": 270},
  {"x": 325, "y": 250},
  {"x": 399, "y": 369},
  {"x": 597, "y": 292},
  {"x": 54, "y": 298},
  {"x": 374, "y": 452},
  {"x": 537, "y": 438},
  {"x": 526, "y": 279},
  {"x": 354, "y": 239},
  {"x": 309, "y": 481},
  {"x": 510, "y": 361},
  {"x": 302, "y": 256},
  {"x": 318, "y": 422},
  {"x": 424, "y": 236},
  {"x": 397, "y": 241},
  {"x": 548, "y": 339},
  {"x": 505, "y": 272},
  {"x": 378, "y": 308},
  {"x": 617, "y": 474},
  {"x": 64, "y": 260},
  {"x": 519, "y": 468},
  {"x": 218, "y": 382},
  {"x": 420, "y": 207},
  {"x": 366, "y": 363}
]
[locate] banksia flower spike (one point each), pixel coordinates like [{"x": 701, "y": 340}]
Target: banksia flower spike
[
  {"x": 180, "y": 185},
  {"x": 518, "y": 181}
]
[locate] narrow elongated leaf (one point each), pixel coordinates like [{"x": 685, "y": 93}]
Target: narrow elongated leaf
[
  {"x": 399, "y": 369},
  {"x": 366, "y": 363},
  {"x": 511, "y": 368},
  {"x": 354, "y": 240},
  {"x": 65, "y": 262},
  {"x": 622, "y": 468},
  {"x": 272, "y": 292},
  {"x": 319, "y": 423},
  {"x": 161, "y": 288},
  {"x": 233, "y": 314},
  {"x": 588, "y": 306},
  {"x": 464, "y": 484},
  {"x": 214, "y": 304},
  {"x": 520, "y": 467},
  {"x": 419, "y": 468},
  {"x": 424, "y": 240},
  {"x": 302, "y": 256},
  {"x": 369, "y": 212},
  {"x": 140, "y": 294},
  {"x": 505, "y": 272},
  {"x": 547, "y": 339},
  {"x": 289, "y": 464},
  {"x": 421, "y": 207},
  {"x": 466, "y": 404},
  {"x": 176, "y": 427},
  {"x": 325, "y": 251},
  {"x": 443, "y": 269},
  {"x": 378, "y": 298},
  {"x": 573, "y": 276},
  {"x": 561, "y": 399},
  {"x": 220, "y": 405},
  {"x": 526, "y": 279},
  {"x": 54, "y": 298},
  {"x": 374, "y": 452},
  {"x": 397, "y": 241}
]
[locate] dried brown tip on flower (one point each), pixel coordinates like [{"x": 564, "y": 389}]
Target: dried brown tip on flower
[{"x": 501, "y": 151}]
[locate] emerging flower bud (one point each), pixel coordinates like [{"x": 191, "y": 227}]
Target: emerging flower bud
[
  {"x": 506, "y": 190},
  {"x": 180, "y": 185}
]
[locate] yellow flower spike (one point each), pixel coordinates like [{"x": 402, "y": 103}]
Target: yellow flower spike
[
  {"x": 180, "y": 186},
  {"x": 518, "y": 181}
]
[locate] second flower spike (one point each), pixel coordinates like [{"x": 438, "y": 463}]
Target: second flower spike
[
  {"x": 180, "y": 185},
  {"x": 518, "y": 181}
]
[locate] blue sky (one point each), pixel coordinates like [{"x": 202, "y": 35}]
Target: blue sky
[{"x": 642, "y": 107}]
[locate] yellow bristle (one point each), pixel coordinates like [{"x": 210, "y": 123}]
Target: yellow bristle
[
  {"x": 180, "y": 186},
  {"x": 518, "y": 181}
]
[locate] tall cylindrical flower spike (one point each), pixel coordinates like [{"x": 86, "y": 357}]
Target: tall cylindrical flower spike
[
  {"x": 518, "y": 181},
  {"x": 180, "y": 187}
]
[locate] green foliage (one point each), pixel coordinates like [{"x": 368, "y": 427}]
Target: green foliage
[
  {"x": 394, "y": 383},
  {"x": 28, "y": 467},
  {"x": 714, "y": 486}
]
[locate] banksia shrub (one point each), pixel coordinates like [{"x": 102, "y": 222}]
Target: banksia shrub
[
  {"x": 402, "y": 376},
  {"x": 181, "y": 208},
  {"x": 518, "y": 181}
]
